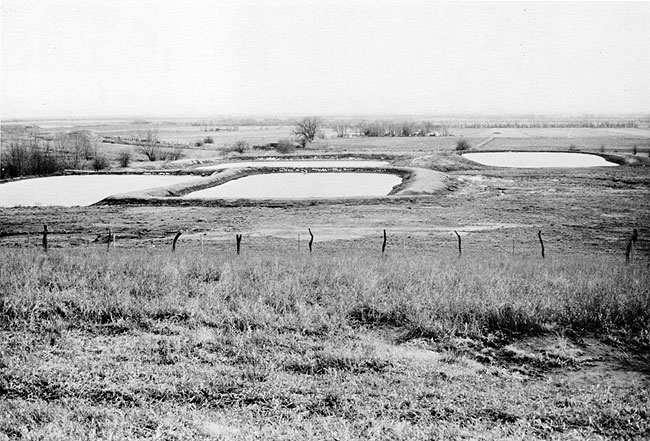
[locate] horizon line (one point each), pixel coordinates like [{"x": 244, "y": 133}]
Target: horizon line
[{"x": 634, "y": 114}]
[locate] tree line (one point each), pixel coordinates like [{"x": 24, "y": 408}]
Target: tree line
[
  {"x": 391, "y": 128},
  {"x": 375, "y": 128}
]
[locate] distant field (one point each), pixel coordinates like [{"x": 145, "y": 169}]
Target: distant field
[
  {"x": 190, "y": 134},
  {"x": 114, "y": 150},
  {"x": 180, "y": 131},
  {"x": 608, "y": 143},
  {"x": 511, "y": 139},
  {"x": 541, "y": 139},
  {"x": 569, "y": 133},
  {"x": 73, "y": 124}
]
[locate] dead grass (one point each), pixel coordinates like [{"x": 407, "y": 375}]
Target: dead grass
[{"x": 135, "y": 344}]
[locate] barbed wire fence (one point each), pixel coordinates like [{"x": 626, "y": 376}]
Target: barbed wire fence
[{"x": 111, "y": 242}]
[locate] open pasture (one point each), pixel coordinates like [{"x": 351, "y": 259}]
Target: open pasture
[
  {"x": 190, "y": 153},
  {"x": 188, "y": 134},
  {"x": 601, "y": 142},
  {"x": 529, "y": 139}
]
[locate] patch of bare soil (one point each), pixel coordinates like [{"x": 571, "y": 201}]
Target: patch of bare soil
[
  {"x": 599, "y": 363},
  {"x": 330, "y": 233},
  {"x": 588, "y": 364},
  {"x": 584, "y": 362}
]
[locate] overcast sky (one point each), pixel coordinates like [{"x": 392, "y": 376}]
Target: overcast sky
[{"x": 76, "y": 58}]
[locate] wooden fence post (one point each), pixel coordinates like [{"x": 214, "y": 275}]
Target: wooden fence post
[
  {"x": 541, "y": 242},
  {"x": 110, "y": 235},
  {"x": 238, "y": 237},
  {"x": 460, "y": 246},
  {"x": 311, "y": 240},
  {"x": 630, "y": 246},
  {"x": 383, "y": 245},
  {"x": 628, "y": 252},
  {"x": 45, "y": 238},
  {"x": 174, "y": 242}
]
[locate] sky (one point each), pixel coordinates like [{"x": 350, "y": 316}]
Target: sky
[{"x": 94, "y": 58}]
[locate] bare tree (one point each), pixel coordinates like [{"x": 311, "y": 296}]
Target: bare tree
[
  {"x": 341, "y": 130},
  {"x": 150, "y": 146},
  {"x": 307, "y": 128},
  {"x": 81, "y": 144},
  {"x": 240, "y": 147},
  {"x": 68, "y": 145},
  {"x": 61, "y": 144}
]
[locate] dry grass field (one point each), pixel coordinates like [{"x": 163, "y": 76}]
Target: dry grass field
[
  {"x": 192, "y": 134},
  {"x": 137, "y": 342},
  {"x": 146, "y": 344}
]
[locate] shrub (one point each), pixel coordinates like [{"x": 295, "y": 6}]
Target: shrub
[
  {"x": 24, "y": 157},
  {"x": 173, "y": 155},
  {"x": 241, "y": 147},
  {"x": 462, "y": 145},
  {"x": 198, "y": 143},
  {"x": 124, "y": 158},
  {"x": 100, "y": 162},
  {"x": 285, "y": 146},
  {"x": 208, "y": 140},
  {"x": 572, "y": 147}
]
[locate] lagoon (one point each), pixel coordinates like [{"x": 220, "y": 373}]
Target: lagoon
[
  {"x": 302, "y": 185},
  {"x": 538, "y": 159},
  {"x": 82, "y": 190}
]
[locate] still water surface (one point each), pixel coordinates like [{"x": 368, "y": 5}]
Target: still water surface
[
  {"x": 302, "y": 185},
  {"x": 538, "y": 159},
  {"x": 69, "y": 191}
]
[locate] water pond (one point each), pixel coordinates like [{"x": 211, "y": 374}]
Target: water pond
[
  {"x": 291, "y": 163},
  {"x": 69, "y": 191},
  {"x": 302, "y": 185},
  {"x": 538, "y": 159}
]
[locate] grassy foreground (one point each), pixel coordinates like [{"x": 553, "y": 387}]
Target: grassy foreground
[{"x": 135, "y": 344}]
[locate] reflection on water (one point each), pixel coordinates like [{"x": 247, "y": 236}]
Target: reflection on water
[
  {"x": 538, "y": 159},
  {"x": 83, "y": 190},
  {"x": 302, "y": 185},
  {"x": 288, "y": 163}
]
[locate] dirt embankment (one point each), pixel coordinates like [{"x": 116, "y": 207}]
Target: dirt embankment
[
  {"x": 423, "y": 182},
  {"x": 415, "y": 182}
]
